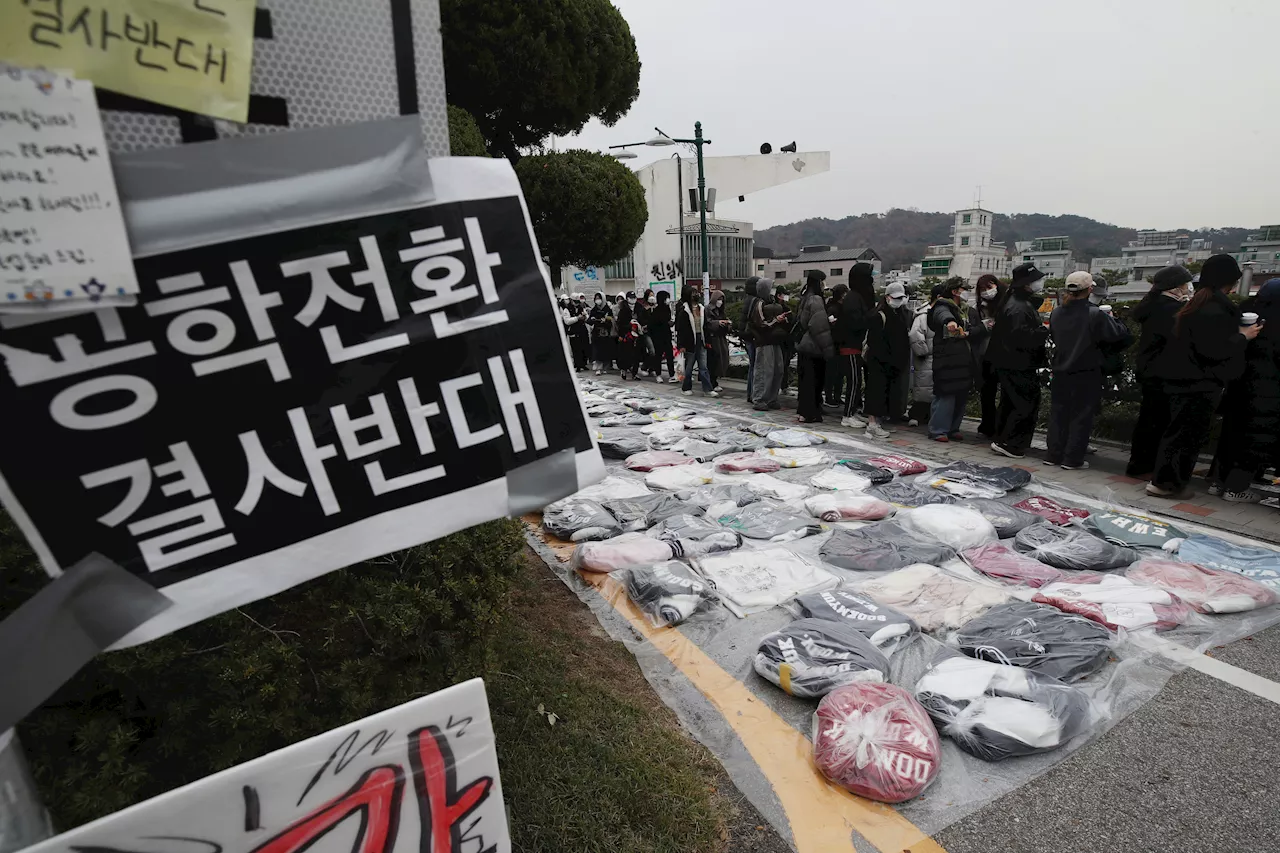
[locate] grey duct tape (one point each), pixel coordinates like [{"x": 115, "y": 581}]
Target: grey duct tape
[
  {"x": 537, "y": 484},
  {"x": 61, "y": 628}
]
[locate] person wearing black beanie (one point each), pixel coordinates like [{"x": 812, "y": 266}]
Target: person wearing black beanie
[
  {"x": 1171, "y": 288},
  {"x": 1205, "y": 352}
]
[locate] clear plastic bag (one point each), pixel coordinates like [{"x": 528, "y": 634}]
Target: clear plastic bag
[
  {"x": 705, "y": 496},
  {"x": 1004, "y": 479},
  {"x": 752, "y": 581},
  {"x": 687, "y": 526},
  {"x": 772, "y": 487},
  {"x": 632, "y": 419},
  {"x": 672, "y": 414},
  {"x": 740, "y": 463},
  {"x": 1007, "y": 520},
  {"x": 874, "y": 473},
  {"x": 643, "y": 512},
  {"x": 883, "y": 546},
  {"x": 675, "y": 478},
  {"x": 956, "y": 527},
  {"x": 1116, "y": 602},
  {"x": 935, "y": 599},
  {"x": 876, "y": 741},
  {"x": 1132, "y": 531},
  {"x": 1051, "y": 510},
  {"x": 795, "y": 457},
  {"x": 658, "y": 427},
  {"x": 811, "y": 657},
  {"x": 651, "y": 459},
  {"x": 907, "y": 495},
  {"x": 701, "y": 422},
  {"x": 885, "y": 627},
  {"x": 1207, "y": 590},
  {"x": 1259, "y": 564},
  {"x": 1002, "y": 562},
  {"x": 900, "y": 465},
  {"x": 847, "y": 506},
  {"x": 965, "y": 491},
  {"x": 1072, "y": 548},
  {"x": 667, "y": 593},
  {"x": 629, "y": 549},
  {"x": 702, "y": 451},
  {"x": 575, "y": 519},
  {"x": 1038, "y": 637},
  {"x": 994, "y": 712},
  {"x": 793, "y": 438},
  {"x": 622, "y": 446},
  {"x": 773, "y": 524},
  {"x": 611, "y": 488},
  {"x": 839, "y": 478}
]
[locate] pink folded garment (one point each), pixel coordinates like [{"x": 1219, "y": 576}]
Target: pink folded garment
[
  {"x": 847, "y": 506},
  {"x": 737, "y": 463},
  {"x": 999, "y": 561},
  {"x": 900, "y": 465},
  {"x": 1207, "y": 590},
  {"x": 647, "y": 460},
  {"x": 1051, "y": 510},
  {"x": 1115, "y": 601}
]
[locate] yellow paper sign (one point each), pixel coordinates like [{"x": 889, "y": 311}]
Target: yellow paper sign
[{"x": 195, "y": 55}]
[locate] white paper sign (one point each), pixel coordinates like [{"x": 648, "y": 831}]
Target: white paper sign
[
  {"x": 420, "y": 777},
  {"x": 62, "y": 234}
]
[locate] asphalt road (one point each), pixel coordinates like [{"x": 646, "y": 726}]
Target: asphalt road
[{"x": 1196, "y": 770}]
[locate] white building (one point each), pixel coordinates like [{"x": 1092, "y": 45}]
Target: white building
[
  {"x": 1154, "y": 250},
  {"x": 971, "y": 253},
  {"x": 1263, "y": 251},
  {"x": 833, "y": 261},
  {"x": 670, "y": 249},
  {"x": 1051, "y": 255}
]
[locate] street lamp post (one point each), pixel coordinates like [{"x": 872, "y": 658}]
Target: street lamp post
[{"x": 698, "y": 141}]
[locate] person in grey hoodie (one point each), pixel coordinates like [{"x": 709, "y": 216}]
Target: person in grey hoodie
[{"x": 769, "y": 327}]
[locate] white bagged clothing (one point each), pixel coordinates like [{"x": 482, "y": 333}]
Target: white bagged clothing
[
  {"x": 956, "y": 526},
  {"x": 794, "y": 457},
  {"x": 839, "y": 478},
  {"x": 675, "y": 478},
  {"x": 771, "y": 487},
  {"x": 752, "y": 581}
]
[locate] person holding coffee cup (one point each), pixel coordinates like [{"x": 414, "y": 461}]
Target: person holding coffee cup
[
  {"x": 1250, "y": 437},
  {"x": 1204, "y": 354}
]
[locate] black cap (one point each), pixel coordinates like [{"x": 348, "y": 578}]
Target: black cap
[
  {"x": 1024, "y": 275},
  {"x": 1219, "y": 271},
  {"x": 1170, "y": 277}
]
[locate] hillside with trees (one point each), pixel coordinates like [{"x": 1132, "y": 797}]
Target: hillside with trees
[{"x": 903, "y": 236}]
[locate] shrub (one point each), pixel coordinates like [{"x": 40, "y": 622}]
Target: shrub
[{"x": 135, "y": 723}]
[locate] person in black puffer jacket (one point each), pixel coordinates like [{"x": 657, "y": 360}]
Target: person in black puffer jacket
[
  {"x": 1250, "y": 438},
  {"x": 850, "y": 334},
  {"x": 1170, "y": 290},
  {"x": 952, "y": 361},
  {"x": 745, "y": 333},
  {"x": 982, "y": 317},
  {"x": 1016, "y": 351},
  {"x": 1205, "y": 353}
]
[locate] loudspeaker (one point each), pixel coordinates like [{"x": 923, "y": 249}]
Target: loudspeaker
[
  {"x": 790, "y": 149},
  {"x": 693, "y": 200},
  {"x": 766, "y": 149},
  {"x": 711, "y": 200}
]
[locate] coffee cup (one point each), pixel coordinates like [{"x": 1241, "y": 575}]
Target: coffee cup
[
  {"x": 1105, "y": 309},
  {"x": 1248, "y": 318}
]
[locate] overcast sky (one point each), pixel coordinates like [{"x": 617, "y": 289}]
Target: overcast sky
[{"x": 1142, "y": 113}]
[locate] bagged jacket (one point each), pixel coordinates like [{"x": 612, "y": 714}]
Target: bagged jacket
[
  {"x": 876, "y": 741},
  {"x": 1132, "y": 531},
  {"x": 1006, "y": 519},
  {"x": 883, "y": 546},
  {"x": 1051, "y": 510},
  {"x": 886, "y": 628},
  {"x": 994, "y": 712},
  {"x": 1116, "y": 602},
  {"x": 957, "y": 527},
  {"x": 1207, "y": 590},
  {"x": 932, "y": 597},
  {"x": 775, "y": 524},
  {"x": 1259, "y": 564},
  {"x": 1072, "y": 548},
  {"x": 905, "y": 494},
  {"x": 643, "y": 512},
  {"x": 846, "y": 505},
  {"x": 751, "y": 581},
  {"x": 811, "y": 657},
  {"x": 667, "y": 593},
  {"x": 877, "y": 475},
  {"x": 575, "y": 519},
  {"x": 1001, "y": 562},
  {"x": 1003, "y": 478},
  {"x": 1037, "y": 637}
]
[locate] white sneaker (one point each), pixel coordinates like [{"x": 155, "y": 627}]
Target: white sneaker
[
  {"x": 597, "y": 373},
  {"x": 877, "y": 431},
  {"x": 713, "y": 393},
  {"x": 853, "y": 422},
  {"x": 687, "y": 393},
  {"x": 658, "y": 379},
  {"x": 913, "y": 423},
  {"x": 1081, "y": 467}
]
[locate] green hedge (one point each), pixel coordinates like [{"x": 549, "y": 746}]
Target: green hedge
[{"x": 135, "y": 723}]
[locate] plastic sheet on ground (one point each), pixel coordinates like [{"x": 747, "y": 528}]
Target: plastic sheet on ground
[{"x": 692, "y": 661}]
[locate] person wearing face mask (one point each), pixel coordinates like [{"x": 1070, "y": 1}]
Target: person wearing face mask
[
  {"x": 815, "y": 347},
  {"x": 603, "y": 339},
  {"x": 717, "y": 331},
  {"x": 627, "y": 329},
  {"x": 1250, "y": 439},
  {"x": 659, "y": 327},
  {"x": 952, "y": 361},
  {"x": 837, "y": 375},
  {"x": 982, "y": 317},
  {"x": 887, "y": 357},
  {"x": 644, "y": 343},
  {"x": 1082, "y": 337},
  {"x": 1171, "y": 288},
  {"x": 920, "y": 336},
  {"x": 575, "y": 329},
  {"x": 745, "y": 332},
  {"x": 1101, "y": 290},
  {"x": 770, "y": 325},
  {"x": 691, "y": 337},
  {"x": 1016, "y": 351},
  {"x": 1204, "y": 354}
]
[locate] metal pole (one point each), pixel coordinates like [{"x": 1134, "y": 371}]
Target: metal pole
[
  {"x": 1246, "y": 279},
  {"x": 680, "y": 218},
  {"x": 702, "y": 208}
]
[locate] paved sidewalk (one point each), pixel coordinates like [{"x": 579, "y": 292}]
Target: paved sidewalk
[{"x": 1104, "y": 480}]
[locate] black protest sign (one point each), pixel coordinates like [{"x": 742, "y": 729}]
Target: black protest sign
[{"x": 283, "y": 405}]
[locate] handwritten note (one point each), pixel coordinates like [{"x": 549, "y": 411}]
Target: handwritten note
[
  {"x": 62, "y": 234},
  {"x": 196, "y": 55}
]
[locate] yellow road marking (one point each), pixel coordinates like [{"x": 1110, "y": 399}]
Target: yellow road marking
[{"x": 822, "y": 816}]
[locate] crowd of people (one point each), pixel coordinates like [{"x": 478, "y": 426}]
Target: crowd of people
[{"x": 877, "y": 362}]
